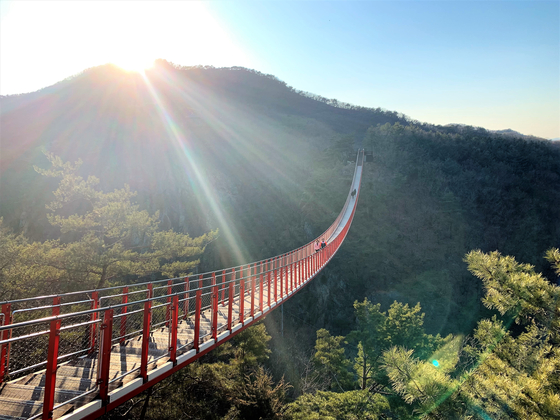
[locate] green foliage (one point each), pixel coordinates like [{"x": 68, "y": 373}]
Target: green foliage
[
  {"x": 235, "y": 387},
  {"x": 330, "y": 361},
  {"x": 516, "y": 289},
  {"x": 553, "y": 257},
  {"x": 251, "y": 346},
  {"x": 495, "y": 373},
  {"x": 256, "y": 397},
  {"x": 105, "y": 237},
  {"x": 377, "y": 331},
  {"x": 24, "y": 268},
  {"x": 350, "y": 405},
  {"x": 420, "y": 384}
]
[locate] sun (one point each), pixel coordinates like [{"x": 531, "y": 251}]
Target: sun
[{"x": 138, "y": 64}]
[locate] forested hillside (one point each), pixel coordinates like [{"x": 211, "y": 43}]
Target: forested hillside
[{"x": 270, "y": 167}]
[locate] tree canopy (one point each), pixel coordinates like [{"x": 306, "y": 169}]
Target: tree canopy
[{"x": 104, "y": 239}]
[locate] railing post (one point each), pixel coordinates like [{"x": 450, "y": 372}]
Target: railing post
[
  {"x": 124, "y": 310},
  {"x": 300, "y": 271},
  {"x": 230, "y": 304},
  {"x": 282, "y": 275},
  {"x": 146, "y": 333},
  {"x": 168, "y": 307},
  {"x": 5, "y": 335},
  {"x": 268, "y": 274},
  {"x": 187, "y": 297},
  {"x": 223, "y": 287},
  {"x": 293, "y": 277},
  {"x": 313, "y": 257},
  {"x": 198, "y": 306},
  {"x": 261, "y": 285},
  {"x": 105, "y": 354},
  {"x": 241, "y": 296},
  {"x": 313, "y": 260},
  {"x": 287, "y": 275},
  {"x": 276, "y": 284},
  {"x": 215, "y": 302},
  {"x": 252, "y": 313},
  {"x": 52, "y": 362},
  {"x": 174, "y": 328},
  {"x": 315, "y": 263},
  {"x": 93, "y": 317}
]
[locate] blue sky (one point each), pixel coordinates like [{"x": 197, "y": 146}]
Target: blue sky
[{"x": 494, "y": 64}]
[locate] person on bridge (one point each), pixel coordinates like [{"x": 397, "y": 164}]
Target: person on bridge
[
  {"x": 317, "y": 246},
  {"x": 323, "y": 243}
]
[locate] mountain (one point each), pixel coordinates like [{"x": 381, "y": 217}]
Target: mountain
[
  {"x": 513, "y": 133},
  {"x": 171, "y": 135},
  {"x": 241, "y": 151},
  {"x": 507, "y": 132}
]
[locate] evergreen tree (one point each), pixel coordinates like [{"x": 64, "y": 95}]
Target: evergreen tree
[
  {"x": 105, "y": 237},
  {"x": 517, "y": 290},
  {"x": 331, "y": 362},
  {"x": 350, "y": 405}
]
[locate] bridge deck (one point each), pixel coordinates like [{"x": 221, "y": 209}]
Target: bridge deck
[{"x": 23, "y": 398}]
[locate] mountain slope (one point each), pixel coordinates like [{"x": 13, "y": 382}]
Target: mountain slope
[{"x": 240, "y": 151}]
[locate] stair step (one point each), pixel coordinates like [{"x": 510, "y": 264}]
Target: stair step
[
  {"x": 36, "y": 393},
  {"x": 62, "y": 382},
  {"x": 19, "y": 409}
]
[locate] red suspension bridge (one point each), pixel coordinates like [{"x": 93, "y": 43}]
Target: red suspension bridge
[{"x": 78, "y": 355}]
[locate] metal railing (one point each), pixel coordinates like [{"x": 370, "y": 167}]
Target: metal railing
[{"x": 92, "y": 324}]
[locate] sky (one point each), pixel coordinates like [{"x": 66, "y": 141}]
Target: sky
[{"x": 493, "y": 64}]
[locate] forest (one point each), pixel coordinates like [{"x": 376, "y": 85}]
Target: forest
[{"x": 443, "y": 302}]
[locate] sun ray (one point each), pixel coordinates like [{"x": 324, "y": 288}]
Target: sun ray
[{"x": 181, "y": 144}]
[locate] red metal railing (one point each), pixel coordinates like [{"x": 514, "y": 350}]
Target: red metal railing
[{"x": 91, "y": 324}]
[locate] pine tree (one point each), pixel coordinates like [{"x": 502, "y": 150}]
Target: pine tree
[
  {"x": 105, "y": 237},
  {"x": 331, "y": 362}
]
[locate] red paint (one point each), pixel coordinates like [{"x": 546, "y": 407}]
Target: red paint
[
  {"x": 261, "y": 294},
  {"x": 252, "y": 313},
  {"x": 168, "y": 307},
  {"x": 52, "y": 362},
  {"x": 124, "y": 310},
  {"x": 198, "y": 305},
  {"x": 5, "y": 335},
  {"x": 223, "y": 287},
  {"x": 241, "y": 297},
  {"x": 174, "y": 328},
  {"x": 215, "y": 303},
  {"x": 146, "y": 333},
  {"x": 93, "y": 317},
  {"x": 269, "y": 290},
  {"x": 105, "y": 354},
  {"x": 187, "y": 297},
  {"x": 230, "y": 304}
]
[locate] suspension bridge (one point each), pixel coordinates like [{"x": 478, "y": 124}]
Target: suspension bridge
[{"x": 78, "y": 355}]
